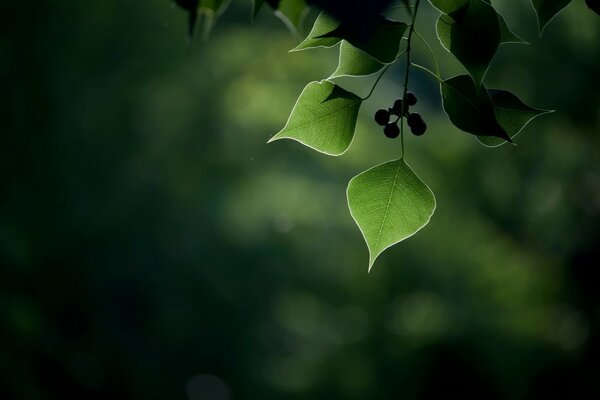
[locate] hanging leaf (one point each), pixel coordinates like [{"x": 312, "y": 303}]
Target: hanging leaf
[
  {"x": 469, "y": 109},
  {"x": 453, "y": 8},
  {"x": 511, "y": 113},
  {"x": 381, "y": 41},
  {"x": 324, "y": 118},
  {"x": 292, "y": 13},
  {"x": 474, "y": 39},
  {"x": 323, "y": 25},
  {"x": 389, "y": 204},
  {"x": 546, "y": 10},
  {"x": 355, "y": 62}
]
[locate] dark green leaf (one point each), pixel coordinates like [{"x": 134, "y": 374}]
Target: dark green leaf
[
  {"x": 382, "y": 42},
  {"x": 389, "y": 204},
  {"x": 355, "y": 62},
  {"x": 506, "y": 35},
  {"x": 546, "y": 10},
  {"x": 450, "y": 7},
  {"x": 511, "y": 113},
  {"x": 474, "y": 39},
  {"x": 470, "y": 109},
  {"x": 324, "y": 118},
  {"x": 256, "y": 6}
]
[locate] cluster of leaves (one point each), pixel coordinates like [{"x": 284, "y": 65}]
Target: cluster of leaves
[{"x": 389, "y": 202}]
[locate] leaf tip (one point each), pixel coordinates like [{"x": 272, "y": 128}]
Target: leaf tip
[{"x": 273, "y": 138}]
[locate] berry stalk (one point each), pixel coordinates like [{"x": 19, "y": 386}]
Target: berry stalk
[{"x": 407, "y": 74}]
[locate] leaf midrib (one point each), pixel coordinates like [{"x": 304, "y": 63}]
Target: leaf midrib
[{"x": 387, "y": 208}]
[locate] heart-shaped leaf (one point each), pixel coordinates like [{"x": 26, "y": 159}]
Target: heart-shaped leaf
[
  {"x": 474, "y": 39},
  {"x": 324, "y": 118},
  {"x": 546, "y": 10},
  {"x": 355, "y": 62},
  {"x": 469, "y": 109},
  {"x": 512, "y": 115},
  {"x": 389, "y": 204}
]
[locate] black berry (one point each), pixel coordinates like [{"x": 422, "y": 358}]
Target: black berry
[
  {"x": 382, "y": 117},
  {"x": 397, "y": 107},
  {"x": 391, "y": 131},
  {"x": 419, "y": 128},
  {"x": 414, "y": 119},
  {"x": 411, "y": 99}
]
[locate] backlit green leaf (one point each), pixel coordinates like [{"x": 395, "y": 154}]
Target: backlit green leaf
[
  {"x": 389, "y": 204},
  {"x": 323, "y": 25},
  {"x": 474, "y": 39},
  {"x": 324, "y": 118},
  {"x": 547, "y": 9},
  {"x": 469, "y": 109},
  {"x": 355, "y": 62},
  {"x": 511, "y": 113}
]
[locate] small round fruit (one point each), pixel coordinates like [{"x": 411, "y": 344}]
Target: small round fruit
[
  {"x": 414, "y": 119},
  {"x": 391, "y": 130},
  {"x": 382, "y": 117},
  {"x": 411, "y": 99},
  {"x": 397, "y": 106},
  {"x": 419, "y": 128}
]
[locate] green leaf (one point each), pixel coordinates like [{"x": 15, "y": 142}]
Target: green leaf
[
  {"x": 323, "y": 25},
  {"x": 292, "y": 13},
  {"x": 594, "y": 5},
  {"x": 324, "y": 118},
  {"x": 450, "y": 7},
  {"x": 511, "y": 113},
  {"x": 474, "y": 39},
  {"x": 469, "y": 109},
  {"x": 381, "y": 43},
  {"x": 355, "y": 62},
  {"x": 389, "y": 204},
  {"x": 546, "y": 10}
]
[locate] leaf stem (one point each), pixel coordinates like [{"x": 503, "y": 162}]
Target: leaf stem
[
  {"x": 377, "y": 81},
  {"x": 381, "y": 76},
  {"x": 407, "y": 74}
]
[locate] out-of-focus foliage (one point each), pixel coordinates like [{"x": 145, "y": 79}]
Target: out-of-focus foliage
[{"x": 153, "y": 246}]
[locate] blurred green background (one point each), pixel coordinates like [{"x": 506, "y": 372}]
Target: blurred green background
[{"x": 152, "y": 246}]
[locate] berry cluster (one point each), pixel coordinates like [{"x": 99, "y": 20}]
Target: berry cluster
[{"x": 414, "y": 120}]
